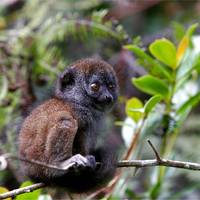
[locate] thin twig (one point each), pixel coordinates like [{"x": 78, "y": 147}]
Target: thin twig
[{"x": 155, "y": 151}]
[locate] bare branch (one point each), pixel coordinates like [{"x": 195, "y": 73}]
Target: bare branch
[{"x": 162, "y": 162}]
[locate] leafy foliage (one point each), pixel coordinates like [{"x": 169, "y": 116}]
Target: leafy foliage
[{"x": 169, "y": 72}]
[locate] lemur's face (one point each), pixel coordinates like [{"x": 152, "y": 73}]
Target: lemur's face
[
  {"x": 102, "y": 88},
  {"x": 91, "y": 83}
]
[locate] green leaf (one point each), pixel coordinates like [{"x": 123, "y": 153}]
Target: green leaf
[
  {"x": 151, "y": 85},
  {"x": 98, "y": 16},
  {"x": 137, "y": 41},
  {"x": 184, "y": 43},
  {"x": 155, "y": 67},
  {"x": 151, "y": 103},
  {"x": 165, "y": 51},
  {"x": 31, "y": 195},
  {"x": 193, "y": 101},
  {"x": 191, "y": 29},
  {"x": 132, "y": 195},
  {"x": 178, "y": 30},
  {"x": 4, "y": 190},
  {"x": 132, "y": 104},
  {"x": 187, "y": 74},
  {"x": 155, "y": 190},
  {"x": 189, "y": 61}
]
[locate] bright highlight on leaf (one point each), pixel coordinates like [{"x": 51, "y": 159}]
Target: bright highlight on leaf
[
  {"x": 165, "y": 51},
  {"x": 151, "y": 85},
  {"x": 184, "y": 43},
  {"x": 181, "y": 49},
  {"x": 134, "y": 109}
]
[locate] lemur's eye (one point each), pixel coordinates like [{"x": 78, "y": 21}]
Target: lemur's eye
[
  {"x": 95, "y": 87},
  {"x": 111, "y": 86}
]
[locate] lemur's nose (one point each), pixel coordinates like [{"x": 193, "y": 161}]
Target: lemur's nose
[{"x": 108, "y": 98}]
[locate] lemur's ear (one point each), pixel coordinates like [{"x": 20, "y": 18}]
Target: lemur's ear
[{"x": 65, "y": 79}]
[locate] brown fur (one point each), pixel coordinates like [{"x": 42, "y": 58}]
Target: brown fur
[
  {"x": 88, "y": 66},
  {"x": 44, "y": 129}
]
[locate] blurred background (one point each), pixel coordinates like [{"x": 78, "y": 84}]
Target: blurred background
[{"x": 39, "y": 38}]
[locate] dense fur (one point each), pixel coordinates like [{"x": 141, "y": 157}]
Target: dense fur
[{"x": 64, "y": 129}]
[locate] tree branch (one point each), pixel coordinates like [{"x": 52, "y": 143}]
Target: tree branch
[
  {"x": 124, "y": 163},
  {"x": 162, "y": 162},
  {"x": 23, "y": 190}
]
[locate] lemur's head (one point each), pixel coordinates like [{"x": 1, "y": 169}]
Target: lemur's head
[{"x": 89, "y": 82}]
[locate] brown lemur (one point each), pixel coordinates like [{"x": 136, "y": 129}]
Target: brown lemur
[{"x": 64, "y": 129}]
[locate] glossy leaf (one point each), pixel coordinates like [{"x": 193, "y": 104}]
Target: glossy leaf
[
  {"x": 151, "y": 85},
  {"x": 188, "y": 63},
  {"x": 151, "y": 103},
  {"x": 183, "y": 45},
  {"x": 193, "y": 101},
  {"x": 191, "y": 29},
  {"x": 164, "y": 51},
  {"x": 4, "y": 190},
  {"x": 155, "y": 67},
  {"x": 31, "y": 195},
  {"x": 132, "y": 109}
]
